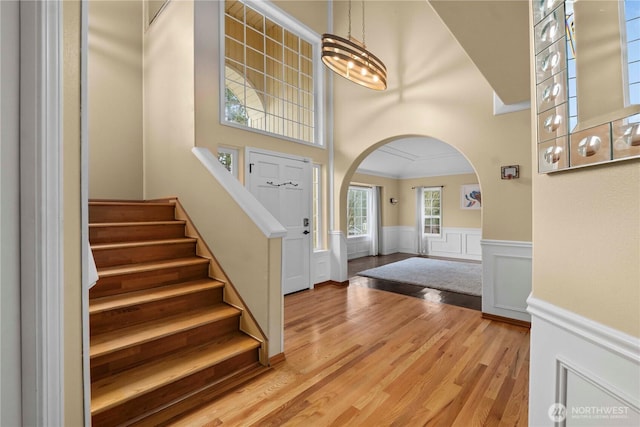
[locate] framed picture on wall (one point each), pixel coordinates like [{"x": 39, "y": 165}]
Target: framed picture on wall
[{"x": 470, "y": 197}]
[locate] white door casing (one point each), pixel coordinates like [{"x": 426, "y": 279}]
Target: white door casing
[{"x": 282, "y": 183}]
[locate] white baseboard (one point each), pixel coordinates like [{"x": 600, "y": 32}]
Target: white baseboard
[{"x": 587, "y": 372}]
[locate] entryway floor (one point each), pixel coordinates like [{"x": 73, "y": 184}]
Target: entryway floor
[{"x": 433, "y": 295}]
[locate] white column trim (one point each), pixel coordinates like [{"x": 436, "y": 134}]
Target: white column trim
[{"x": 41, "y": 213}]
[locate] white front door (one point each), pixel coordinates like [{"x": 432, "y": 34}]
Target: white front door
[{"x": 283, "y": 185}]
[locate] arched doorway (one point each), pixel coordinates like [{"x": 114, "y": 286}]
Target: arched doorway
[{"x": 415, "y": 196}]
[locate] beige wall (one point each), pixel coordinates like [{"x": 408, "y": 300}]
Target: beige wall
[
  {"x": 586, "y": 240},
  {"x": 452, "y": 215},
  {"x": 172, "y": 170},
  {"x": 404, "y": 212},
  {"x": 390, "y": 188},
  {"x": 436, "y": 91},
  {"x": 115, "y": 99},
  {"x": 73, "y": 390},
  {"x": 209, "y": 132}
]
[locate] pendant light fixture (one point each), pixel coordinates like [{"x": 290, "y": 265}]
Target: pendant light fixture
[{"x": 351, "y": 59}]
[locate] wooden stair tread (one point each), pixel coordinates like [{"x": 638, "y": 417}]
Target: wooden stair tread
[
  {"x": 150, "y": 266},
  {"x": 116, "y": 389},
  {"x": 124, "y": 245},
  {"x": 128, "y": 203},
  {"x": 137, "y": 334},
  {"x": 112, "y": 302},
  {"x": 135, "y": 224}
]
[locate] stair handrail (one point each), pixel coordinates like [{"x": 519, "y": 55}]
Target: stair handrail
[{"x": 263, "y": 219}]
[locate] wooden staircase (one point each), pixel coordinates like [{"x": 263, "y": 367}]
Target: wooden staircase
[{"x": 163, "y": 339}]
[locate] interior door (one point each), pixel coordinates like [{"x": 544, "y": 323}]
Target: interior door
[{"x": 283, "y": 185}]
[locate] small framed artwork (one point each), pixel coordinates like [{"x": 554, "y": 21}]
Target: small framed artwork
[
  {"x": 470, "y": 196},
  {"x": 510, "y": 172}
]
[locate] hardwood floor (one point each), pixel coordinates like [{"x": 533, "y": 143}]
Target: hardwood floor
[
  {"x": 357, "y": 356},
  {"x": 434, "y": 295}
]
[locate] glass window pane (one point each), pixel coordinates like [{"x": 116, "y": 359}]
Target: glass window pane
[{"x": 270, "y": 70}]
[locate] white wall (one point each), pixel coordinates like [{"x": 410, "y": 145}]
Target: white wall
[{"x": 10, "y": 383}]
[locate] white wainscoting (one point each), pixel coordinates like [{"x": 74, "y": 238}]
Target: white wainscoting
[
  {"x": 589, "y": 368},
  {"x": 463, "y": 243},
  {"x": 320, "y": 266},
  {"x": 399, "y": 239},
  {"x": 338, "y": 256},
  {"x": 455, "y": 242},
  {"x": 358, "y": 247},
  {"x": 389, "y": 244},
  {"x": 506, "y": 278},
  {"x": 407, "y": 240}
]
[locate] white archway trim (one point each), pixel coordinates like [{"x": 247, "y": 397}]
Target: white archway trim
[{"x": 41, "y": 213}]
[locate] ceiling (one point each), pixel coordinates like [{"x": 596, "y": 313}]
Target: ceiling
[{"x": 415, "y": 157}]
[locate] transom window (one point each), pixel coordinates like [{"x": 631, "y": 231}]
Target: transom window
[
  {"x": 270, "y": 73},
  {"x": 431, "y": 210}
]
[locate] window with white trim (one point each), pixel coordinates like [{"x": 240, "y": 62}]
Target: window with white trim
[
  {"x": 229, "y": 159},
  {"x": 358, "y": 211},
  {"x": 318, "y": 241},
  {"x": 270, "y": 72},
  {"x": 432, "y": 211}
]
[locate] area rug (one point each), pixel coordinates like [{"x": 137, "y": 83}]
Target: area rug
[{"x": 454, "y": 276}]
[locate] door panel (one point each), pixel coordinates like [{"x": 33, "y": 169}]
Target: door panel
[{"x": 283, "y": 186}]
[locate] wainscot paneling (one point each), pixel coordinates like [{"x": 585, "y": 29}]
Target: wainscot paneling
[
  {"x": 582, "y": 373},
  {"x": 358, "y": 247},
  {"x": 462, "y": 243},
  {"x": 506, "y": 278},
  {"x": 407, "y": 240},
  {"x": 390, "y": 237},
  {"x": 338, "y": 256},
  {"x": 320, "y": 266}
]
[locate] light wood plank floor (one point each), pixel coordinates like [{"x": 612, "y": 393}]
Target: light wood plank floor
[{"x": 363, "y": 357}]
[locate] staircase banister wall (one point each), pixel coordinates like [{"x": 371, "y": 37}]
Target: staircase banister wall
[{"x": 263, "y": 219}]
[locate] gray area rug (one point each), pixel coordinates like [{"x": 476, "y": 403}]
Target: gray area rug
[{"x": 454, "y": 276}]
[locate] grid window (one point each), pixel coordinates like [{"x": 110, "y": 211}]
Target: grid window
[
  {"x": 269, "y": 70},
  {"x": 317, "y": 208},
  {"x": 432, "y": 210},
  {"x": 632, "y": 27},
  {"x": 357, "y": 212}
]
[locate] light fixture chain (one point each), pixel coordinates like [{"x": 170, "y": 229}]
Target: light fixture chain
[
  {"x": 349, "y": 33},
  {"x": 363, "y": 40}
]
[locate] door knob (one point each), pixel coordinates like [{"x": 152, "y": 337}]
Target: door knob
[{"x": 305, "y": 232}]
